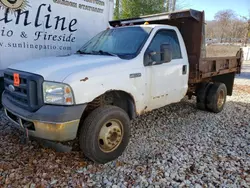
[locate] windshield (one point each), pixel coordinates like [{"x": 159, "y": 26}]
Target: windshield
[{"x": 124, "y": 42}]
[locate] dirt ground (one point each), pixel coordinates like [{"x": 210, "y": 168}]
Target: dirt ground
[{"x": 221, "y": 50}]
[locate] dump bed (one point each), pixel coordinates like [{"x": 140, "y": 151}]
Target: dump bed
[{"x": 191, "y": 24}]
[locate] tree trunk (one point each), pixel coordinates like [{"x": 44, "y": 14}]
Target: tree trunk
[
  {"x": 248, "y": 33},
  {"x": 221, "y": 38},
  {"x": 173, "y": 5},
  {"x": 117, "y": 9},
  {"x": 167, "y": 5}
]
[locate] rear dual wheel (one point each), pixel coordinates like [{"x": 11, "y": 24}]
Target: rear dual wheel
[
  {"x": 201, "y": 95},
  {"x": 216, "y": 97},
  {"x": 211, "y": 97}
]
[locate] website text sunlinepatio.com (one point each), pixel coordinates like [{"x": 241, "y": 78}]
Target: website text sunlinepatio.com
[{"x": 27, "y": 45}]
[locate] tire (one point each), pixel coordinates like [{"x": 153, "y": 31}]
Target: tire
[
  {"x": 216, "y": 97},
  {"x": 201, "y": 95},
  {"x": 104, "y": 127}
]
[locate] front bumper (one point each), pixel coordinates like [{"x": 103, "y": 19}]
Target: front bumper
[{"x": 50, "y": 122}]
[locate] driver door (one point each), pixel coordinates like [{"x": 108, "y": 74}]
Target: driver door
[{"x": 166, "y": 81}]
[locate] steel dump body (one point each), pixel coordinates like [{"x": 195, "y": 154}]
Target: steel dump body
[
  {"x": 213, "y": 66},
  {"x": 191, "y": 24}
]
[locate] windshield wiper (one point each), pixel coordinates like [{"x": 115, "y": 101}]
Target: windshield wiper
[
  {"x": 97, "y": 52},
  {"x": 82, "y": 52},
  {"x": 105, "y": 53}
]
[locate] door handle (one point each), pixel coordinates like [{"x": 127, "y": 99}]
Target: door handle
[
  {"x": 135, "y": 75},
  {"x": 184, "y": 69}
]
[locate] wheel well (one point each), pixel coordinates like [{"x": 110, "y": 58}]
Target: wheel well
[
  {"x": 116, "y": 98},
  {"x": 228, "y": 80}
]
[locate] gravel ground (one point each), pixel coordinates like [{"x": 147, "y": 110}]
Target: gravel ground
[
  {"x": 175, "y": 146},
  {"x": 244, "y": 77}
]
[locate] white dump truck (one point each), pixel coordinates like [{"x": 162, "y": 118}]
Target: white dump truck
[
  {"x": 134, "y": 67},
  {"x": 31, "y": 29}
]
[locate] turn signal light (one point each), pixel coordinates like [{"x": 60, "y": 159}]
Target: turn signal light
[{"x": 69, "y": 100}]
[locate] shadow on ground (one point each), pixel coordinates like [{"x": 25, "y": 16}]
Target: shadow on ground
[{"x": 244, "y": 75}]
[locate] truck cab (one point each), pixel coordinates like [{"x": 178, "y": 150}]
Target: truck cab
[{"x": 123, "y": 72}]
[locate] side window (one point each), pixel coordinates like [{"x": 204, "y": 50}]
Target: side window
[{"x": 165, "y": 36}]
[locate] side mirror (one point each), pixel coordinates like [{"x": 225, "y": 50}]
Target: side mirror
[
  {"x": 166, "y": 53},
  {"x": 156, "y": 58},
  {"x": 149, "y": 58}
]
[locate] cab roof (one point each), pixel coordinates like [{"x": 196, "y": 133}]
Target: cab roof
[{"x": 191, "y": 24}]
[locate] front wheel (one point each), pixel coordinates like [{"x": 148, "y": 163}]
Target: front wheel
[{"x": 105, "y": 134}]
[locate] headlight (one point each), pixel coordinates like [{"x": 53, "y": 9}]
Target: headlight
[{"x": 57, "y": 93}]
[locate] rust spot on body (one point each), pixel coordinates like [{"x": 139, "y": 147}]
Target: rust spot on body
[{"x": 84, "y": 80}]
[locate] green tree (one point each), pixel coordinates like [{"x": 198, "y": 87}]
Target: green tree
[{"x": 135, "y": 8}]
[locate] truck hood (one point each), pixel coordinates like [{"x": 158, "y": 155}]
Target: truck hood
[{"x": 58, "y": 68}]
